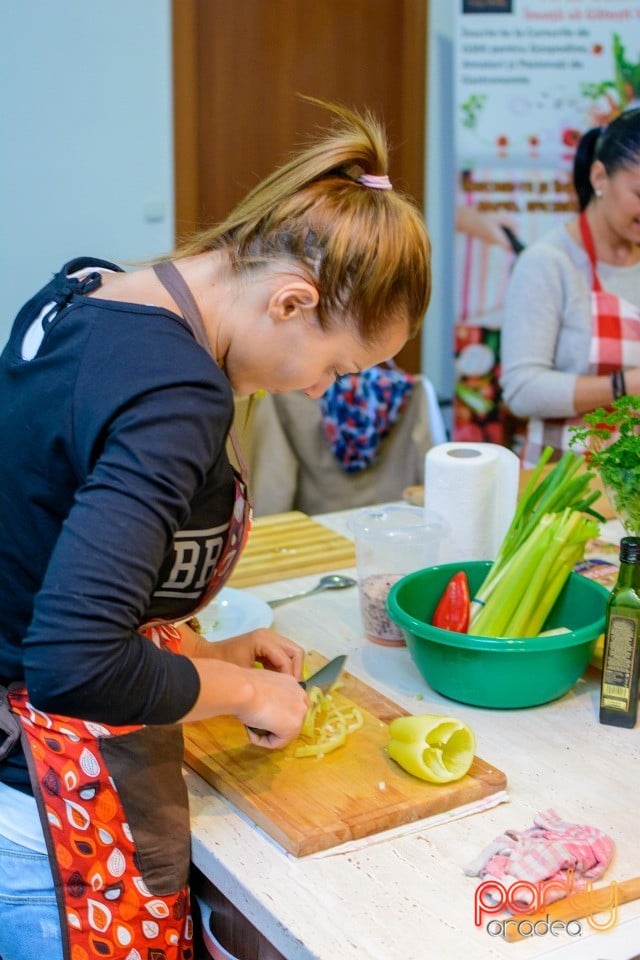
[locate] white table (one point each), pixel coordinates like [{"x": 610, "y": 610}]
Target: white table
[{"x": 408, "y": 898}]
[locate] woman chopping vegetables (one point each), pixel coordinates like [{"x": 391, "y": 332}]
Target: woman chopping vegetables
[
  {"x": 571, "y": 333},
  {"x": 122, "y": 516}
]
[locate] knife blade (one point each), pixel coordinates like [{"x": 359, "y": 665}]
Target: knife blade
[
  {"x": 327, "y": 675},
  {"x": 323, "y": 678}
]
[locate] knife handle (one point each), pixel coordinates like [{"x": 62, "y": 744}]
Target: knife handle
[{"x": 265, "y": 733}]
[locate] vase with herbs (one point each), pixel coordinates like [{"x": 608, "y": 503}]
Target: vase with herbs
[{"x": 610, "y": 440}]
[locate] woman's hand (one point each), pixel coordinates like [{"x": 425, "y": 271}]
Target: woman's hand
[
  {"x": 278, "y": 706},
  {"x": 269, "y": 699},
  {"x": 593, "y": 391},
  {"x": 267, "y": 647},
  {"x": 485, "y": 225},
  {"x": 632, "y": 380}
]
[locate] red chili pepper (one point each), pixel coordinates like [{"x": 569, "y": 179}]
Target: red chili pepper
[{"x": 452, "y": 612}]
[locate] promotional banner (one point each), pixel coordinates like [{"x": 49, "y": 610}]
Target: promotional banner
[{"x": 531, "y": 76}]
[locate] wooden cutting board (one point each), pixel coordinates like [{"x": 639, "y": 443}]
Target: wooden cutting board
[
  {"x": 312, "y": 804},
  {"x": 290, "y": 545}
]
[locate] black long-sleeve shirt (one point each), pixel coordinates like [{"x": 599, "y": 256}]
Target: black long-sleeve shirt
[{"x": 115, "y": 497}]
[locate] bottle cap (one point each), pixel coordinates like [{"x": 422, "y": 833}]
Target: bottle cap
[{"x": 630, "y": 550}]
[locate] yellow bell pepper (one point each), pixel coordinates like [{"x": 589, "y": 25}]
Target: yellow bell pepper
[{"x": 434, "y": 748}]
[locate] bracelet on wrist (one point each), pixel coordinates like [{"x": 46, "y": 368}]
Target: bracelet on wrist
[{"x": 618, "y": 385}]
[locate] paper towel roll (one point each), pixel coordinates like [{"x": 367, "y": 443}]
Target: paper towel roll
[{"x": 474, "y": 486}]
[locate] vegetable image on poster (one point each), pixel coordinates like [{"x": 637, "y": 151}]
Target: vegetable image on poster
[{"x": 531, "y": 76}]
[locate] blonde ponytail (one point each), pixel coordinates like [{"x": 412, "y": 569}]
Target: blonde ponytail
[{"x": 366, "y": 249}]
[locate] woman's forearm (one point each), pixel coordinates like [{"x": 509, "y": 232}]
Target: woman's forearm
[
  {"x": 597, "y": 391},
  {"x": 262, "y": 700},
  {"x": 230, "y": 683},
  {"x": 225, "y": 690}
]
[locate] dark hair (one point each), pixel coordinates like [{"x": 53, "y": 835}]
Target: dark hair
[{"x": 616, "y": 146}]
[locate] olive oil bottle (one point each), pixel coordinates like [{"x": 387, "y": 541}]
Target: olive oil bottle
[{"x": 621, "y": 658}]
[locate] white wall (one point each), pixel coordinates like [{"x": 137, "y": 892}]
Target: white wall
[
  {"x": 437, "y": 340},
  {"x": 86, "y": 137},
  {"x": 87, "y": 147}
]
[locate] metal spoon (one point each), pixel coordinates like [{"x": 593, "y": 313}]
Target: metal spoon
[{"x": 332, "y": 581}]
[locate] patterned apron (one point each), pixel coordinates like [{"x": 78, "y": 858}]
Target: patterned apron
[
  {"x": 112, "y": 799},
  {"x": 615, "y": 345}
]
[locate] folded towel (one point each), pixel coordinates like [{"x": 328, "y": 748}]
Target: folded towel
[{"x": 359, "y": 410}]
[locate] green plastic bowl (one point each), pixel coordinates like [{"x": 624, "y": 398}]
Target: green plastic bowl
[{"x": 497, "y": 672}]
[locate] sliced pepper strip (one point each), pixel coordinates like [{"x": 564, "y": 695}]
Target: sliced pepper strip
[
  {"x": 326, "y": 726},
  {"x": 320, "y": 747},
  {"x": 316, "y": 697}
]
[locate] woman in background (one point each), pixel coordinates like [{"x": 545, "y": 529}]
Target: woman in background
[
  {"x": 571, "y": 334},
  {"x": 121, "y": 516}
]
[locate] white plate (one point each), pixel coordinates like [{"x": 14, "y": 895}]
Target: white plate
[{"x": 233, "y": 612}]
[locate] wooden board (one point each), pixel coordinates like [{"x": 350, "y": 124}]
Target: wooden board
[
  {"x": 312, "y": 804},
  {"x": 290, "y": 545}
]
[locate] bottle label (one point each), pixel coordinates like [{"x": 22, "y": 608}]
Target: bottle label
[{"x": 618, "y": 669}]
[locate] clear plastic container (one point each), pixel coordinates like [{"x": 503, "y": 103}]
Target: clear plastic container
[{"x": 391, "y": 541}]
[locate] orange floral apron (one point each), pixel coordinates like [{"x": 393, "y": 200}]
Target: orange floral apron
[
  {"x": 615, "y": 345},
  {"x": 114, "y": 805}
]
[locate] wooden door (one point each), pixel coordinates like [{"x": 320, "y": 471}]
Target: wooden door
[{"x": 238, "y": 65}]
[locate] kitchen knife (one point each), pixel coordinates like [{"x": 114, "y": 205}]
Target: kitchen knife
[
  {"x": 323, "y": 678},
  {"x": 327, "y": 675}
]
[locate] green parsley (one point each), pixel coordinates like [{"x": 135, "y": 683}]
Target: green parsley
[{"x": 611, "y": 442}]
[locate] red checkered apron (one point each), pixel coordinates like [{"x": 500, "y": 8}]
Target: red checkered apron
[
  {"x": 114, "y": 806},
  {"x": 615, "y": 345}
]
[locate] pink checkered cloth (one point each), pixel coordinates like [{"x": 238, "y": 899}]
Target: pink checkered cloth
[{"x": 548, "y": 850}]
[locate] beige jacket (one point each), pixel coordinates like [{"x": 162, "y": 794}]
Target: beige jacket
[{"x": 292, "y": 466}]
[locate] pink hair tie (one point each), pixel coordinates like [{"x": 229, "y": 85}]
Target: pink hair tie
[{"x": 375, "y": 182}]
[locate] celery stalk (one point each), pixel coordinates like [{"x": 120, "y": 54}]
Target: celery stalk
[
  {"x": 552, "y": 592},
  {"x": 537, "y": 600},
  {"x": 559, "y": 489},
  {"x": 572, "y": 553},
  {"x": 531, "y": 580},
  {"x": 562, "y": 488},
  {"x": 535, "y": 588},
  {"x": 493, "y": 617}
]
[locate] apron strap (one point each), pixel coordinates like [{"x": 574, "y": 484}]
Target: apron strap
[
  {"x": 589, "y": 246},
  {"x": 173, "y": 281}
]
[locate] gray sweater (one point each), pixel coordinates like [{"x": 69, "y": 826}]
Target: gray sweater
[{"x": 546, "y": 334}]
